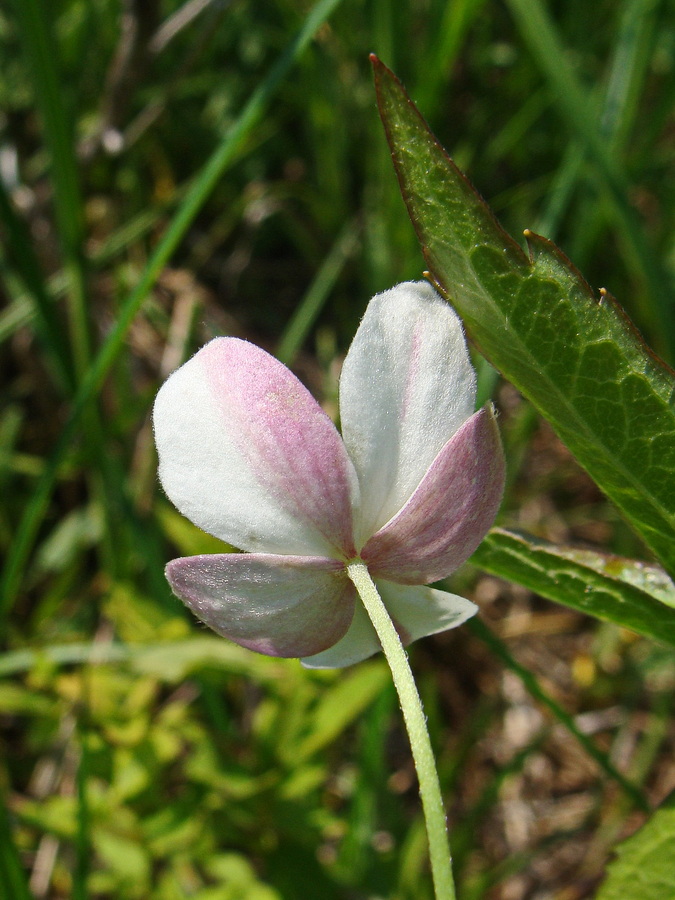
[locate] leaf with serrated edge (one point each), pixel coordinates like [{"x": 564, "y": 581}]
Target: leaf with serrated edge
[
  {"x": 627, "y": 593},
  {"x": 576, "y": 357},
  {"x": 644, "y": 869}
]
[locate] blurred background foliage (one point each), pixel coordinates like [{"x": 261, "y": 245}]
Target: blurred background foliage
[{"x": 170, "y": 171}]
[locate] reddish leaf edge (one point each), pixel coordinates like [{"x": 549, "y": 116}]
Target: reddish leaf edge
[{"x": 535, "y": 242}]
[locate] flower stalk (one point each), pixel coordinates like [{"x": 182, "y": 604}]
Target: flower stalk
[{"x": 415, "y": 722}]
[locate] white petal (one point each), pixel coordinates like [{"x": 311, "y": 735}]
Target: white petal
[
  {"x": 248, "y": 455},
  {"x": 419, "y": 611},
  {"x": 416, "y": 613},
  {"x": 407, "y": 385}
]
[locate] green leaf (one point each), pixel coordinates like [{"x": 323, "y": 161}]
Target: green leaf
[
  {"x": 574, "y": 355},
  {"x": 630, "y": 594},
  {"x": 341, "y": 705},
  {"x": 130, "y": 862},
  {"x": 170, "y": 661},
  {"x": 17, "y": 700},
  {"x": 644, "y": 865}
]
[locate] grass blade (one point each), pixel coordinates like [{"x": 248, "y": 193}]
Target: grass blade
[
  {"x": 37, "y": 33},
  {"x": 20, "y": 252},
  {"x": 539, "y": 33},
  {"x": 185, "y": 215},
  {"x": 13, "y": 880},
  {"x": 620, "y": 104},
  {"x": 312, "y": 303},
  {"x": 500, "y": 651}
]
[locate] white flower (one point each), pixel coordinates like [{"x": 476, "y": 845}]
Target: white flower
[{"x": 410, "y": 488}]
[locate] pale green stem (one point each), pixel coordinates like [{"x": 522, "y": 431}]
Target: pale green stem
[{"x": 415, "y": 722}]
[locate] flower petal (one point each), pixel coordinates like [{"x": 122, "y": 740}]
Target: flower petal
[
  {"x": 248, "y": 455},
  {"x": 360, "y": 642},
  {"x": 279, "y": 605},
  {"x": 416, "y": 613},
  {"x": 407, "y": 385},
  {"x": 420, "y": 611},
  {"x": 449, "y": 513}
]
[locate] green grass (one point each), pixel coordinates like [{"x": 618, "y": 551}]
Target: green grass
[{"x": 234, "y": 178}]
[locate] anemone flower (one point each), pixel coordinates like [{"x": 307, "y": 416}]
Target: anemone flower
[{"x": 409, "y": 489}]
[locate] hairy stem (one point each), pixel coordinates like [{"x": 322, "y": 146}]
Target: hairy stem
[{"x": 415, "y": 722}]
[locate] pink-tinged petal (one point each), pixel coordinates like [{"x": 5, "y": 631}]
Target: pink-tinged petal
[
  {"x": 287, "y": 606},
  {"x": 415, "y": 611},
  {"x": 449, "y": 513},
  {"x": 248, "y": 455},
  {"x": 406, "y": 387}
]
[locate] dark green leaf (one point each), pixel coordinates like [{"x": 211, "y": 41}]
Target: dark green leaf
[
  {"x": 644, "y": 868},
  {"x": 630, "y": 594},
  {"x": 575, "y": 355}
]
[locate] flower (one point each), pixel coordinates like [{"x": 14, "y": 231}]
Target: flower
[{"x": 410, "y": 488}]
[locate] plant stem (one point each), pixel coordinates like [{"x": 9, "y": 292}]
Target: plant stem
[{"x": 415, "y": 722}]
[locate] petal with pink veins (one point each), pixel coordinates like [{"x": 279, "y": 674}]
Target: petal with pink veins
[
  {"x": 450, "y": 512},
  {"x": 415, "y": 611},
  {"x": 249, "y": 456},
  {"x": 407, "y": 385},
  {"x": 278, "y": 605}
]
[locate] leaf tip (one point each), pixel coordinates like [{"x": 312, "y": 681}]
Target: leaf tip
[
  {"x": 380, "y": 71},
  {"x": 530, "y": 238}
]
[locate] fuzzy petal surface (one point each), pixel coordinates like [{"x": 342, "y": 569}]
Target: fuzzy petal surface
[
  {"x": 450, "y": 512},
  {"x": 407, "y": 385},
  {"x": 278, "y": 605},
  {"x": 416, "y": 613},
  {"x": 359, "y": 643},
  {"x": 249, "y": 456}
]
